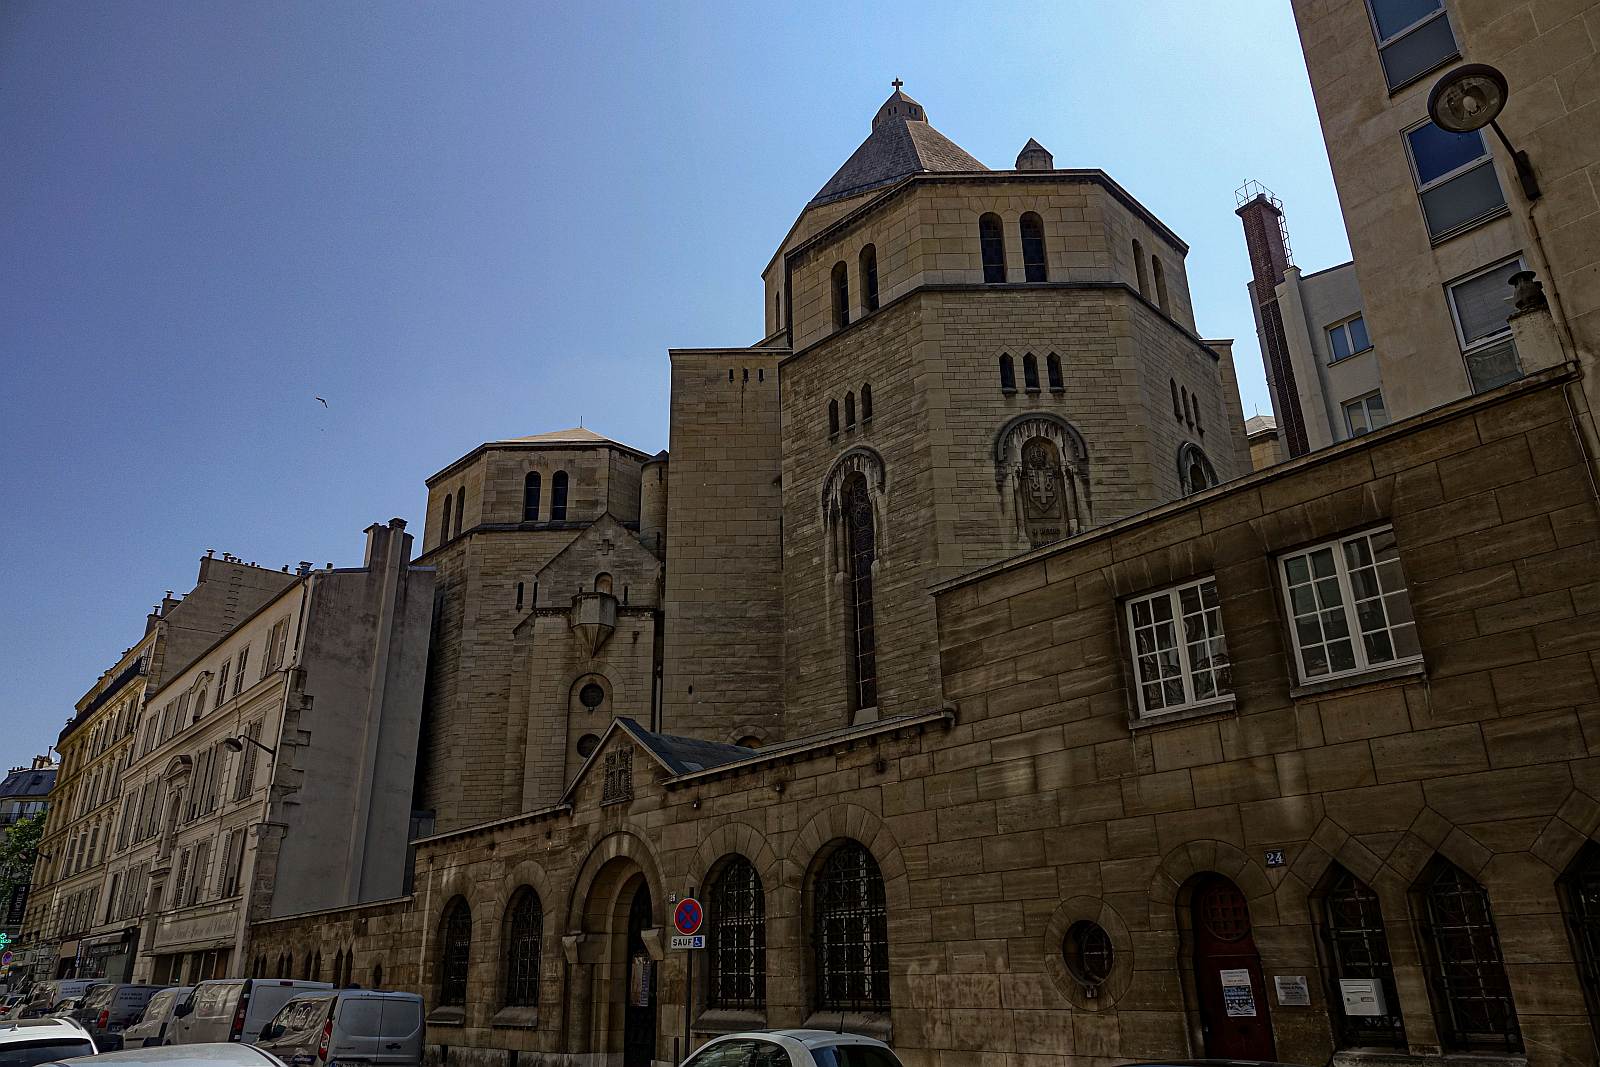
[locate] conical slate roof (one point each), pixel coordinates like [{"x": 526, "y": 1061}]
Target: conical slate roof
[{"x": 901, "y": 144}]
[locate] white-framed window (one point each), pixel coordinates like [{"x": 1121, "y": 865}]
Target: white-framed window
[
  {"x": 1480, "y": 305},
  {"x": 1347, "y": 338},
  {"x": 1455, "y": 178},
  {"x": 1348, "y": 606},
  {"x": 1365, "y": 413},
  {"x": 1414, "y": 37},
  {"x": 1180, "y": 656}
]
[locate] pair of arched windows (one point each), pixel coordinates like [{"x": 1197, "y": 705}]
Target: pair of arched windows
[
  {"x": 1160, "y": 294},
  {"x": 1030, "y": 373},
  {"x": 839, "y": 286},
  {"x": 850, "y": 410},
  {"x": 530, "y": 496},
  {"x": 459, "y": 501},
  {"x": 524, "y": 935},
  {"x": 1186, "y": 408},
  {"x": 992, "y": 248}
]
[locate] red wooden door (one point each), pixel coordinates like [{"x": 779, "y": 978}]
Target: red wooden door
[{"x": 1227, "y": 973}]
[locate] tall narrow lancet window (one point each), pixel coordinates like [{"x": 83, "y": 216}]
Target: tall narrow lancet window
[
  {"x": 1187, "y": 416},
  {"x": 1138, "y": 266},
  {"x": 1160, "y": 274},
  {"x": 1580, "y": 899},
  {"x": 866, "y": 402},
  {"x": 1008, "y": 374},
  {"x": 1053, "y": 370},
  {"x": 850, "y": 932},
  {"x": 1358, "y": 949},
  {"x": 992, "y": 243},
  {"x": 861, "y": 552},
  {"x": 1033, "y": 260},
  {"x": 558, "y": 497},
  {"x": 849, "y": 409},
  {"x": 530, "y": 497},
  {"x": 461, "y": 507},
  {"x": 841, "y": 295},
  {"x": 444, "y": 520},
  {"x": 833, "y": 416},
  {"x": 1177, "y": 409},
  {"x": 455, "y": 953},
  {"x": 869, "y": 278},
  {"x": 1030, "y": 373},
  {"x": 1466, "y": 969},
  {"x": 738, "y": 941},
  {"x": 524, "y": 932}
]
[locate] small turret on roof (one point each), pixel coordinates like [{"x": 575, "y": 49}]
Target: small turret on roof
[{"x": 1035, "y": 156}]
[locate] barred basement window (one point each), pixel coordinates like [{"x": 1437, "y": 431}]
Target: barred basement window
[
  {"x": 738, "y": 976},
  {"x": 992, "y": 245},
  {"x": 850, "y": 932},
  {"x": 1358, "y": 948},
  {"x": 524, "y": 930},
  {"x": 1580, "y": 900},
  {"x": 530, "y": 497},
  {"x": 455, "y": 953},
  {"x": 1033, "y": 257},
  {"x": 1466, "y": 970}
]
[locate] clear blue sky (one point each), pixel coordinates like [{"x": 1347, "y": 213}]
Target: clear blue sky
[{"x": 463, "y": 221}]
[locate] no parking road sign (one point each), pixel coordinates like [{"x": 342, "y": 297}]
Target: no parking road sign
[{"x": 687, "y": 917}]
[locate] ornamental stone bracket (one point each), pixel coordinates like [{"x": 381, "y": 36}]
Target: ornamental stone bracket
[
  {"x": 580, "y": 948},
  {"x": 654, "y": 942},
  {"x": 594, "y": 620}
]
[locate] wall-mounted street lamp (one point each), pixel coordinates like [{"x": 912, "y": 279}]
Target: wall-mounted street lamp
[
  {"x": 1471, "y": 97},
  {"x": 237, "y": 742}
]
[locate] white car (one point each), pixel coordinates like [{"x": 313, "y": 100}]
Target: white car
[
  {"x": 203, "y": 1054},
  {"x": 793, "y": 1048},
  {"x": 26, "y": 1042}
]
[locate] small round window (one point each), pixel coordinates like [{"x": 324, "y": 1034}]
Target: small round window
[
  {"x": 1087, "y": 952},
  {"x": 592, "y": 696},
  {"x": 587, "y": 744}
]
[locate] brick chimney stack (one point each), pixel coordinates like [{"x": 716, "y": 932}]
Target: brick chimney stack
[{"x": 1267, "y": 239}]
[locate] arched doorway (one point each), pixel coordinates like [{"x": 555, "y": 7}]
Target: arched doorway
[
  {"x": 1229, "y": 986},
  {"x": 639, "y": 991}
]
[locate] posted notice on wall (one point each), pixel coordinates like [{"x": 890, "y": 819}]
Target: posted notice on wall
[
  {"x": 1238, "y": 998},
  {"x": 1293, "y": 990}
]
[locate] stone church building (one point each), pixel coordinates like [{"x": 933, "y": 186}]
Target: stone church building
[{"x": 959, "y": 666}]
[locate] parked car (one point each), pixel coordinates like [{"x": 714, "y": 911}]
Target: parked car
[
  {"x": 25, "y": 1042},
  {"x": 215, "y": 1054},
  {"x": 109, "y": 1008},
  {"x": 793, "y": 1048},
  {"x": 233, "y": 1009},
  {"x": 46, "y": 997},
  {"x": 63, "y": 1009},
  {"x": 151, "y": 1029},
  {"x": 347, "y": 1025}
]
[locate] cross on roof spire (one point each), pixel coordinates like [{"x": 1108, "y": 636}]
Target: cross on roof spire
[{"x": 897, "y": 83}]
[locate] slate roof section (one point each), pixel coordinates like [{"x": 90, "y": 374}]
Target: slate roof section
[
  {"x": 578, "y": 435},
  {"x": 24, "y": 784},
  {"x": 897, "y": 147},
  {"x": 684, "y": 755}
]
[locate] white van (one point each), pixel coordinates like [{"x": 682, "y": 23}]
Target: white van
[
  {"x": 233, "y": 1009},
  {"x": 151, "y": 1029},
  {"x": 348, "y": 1025}
]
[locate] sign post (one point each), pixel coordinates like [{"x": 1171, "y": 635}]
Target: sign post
[{"x": 686, "y": 919}]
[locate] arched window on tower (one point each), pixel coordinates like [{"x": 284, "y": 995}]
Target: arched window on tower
[
  {"x": 444, "y": 519},
  {"x": 524, "y": 933},
  {"x": 849, "y": 410},
  {"x": 868, "y": 270},
  {"x": 1008, "y": 374},
  {"x": 1030, "y": 373},
  {"x": 1033, "y": 258},
  {"x": 777, "y": 312},
  {"x": 1138, "y": 266},
  {"x": 461, "y": 507},
  {"x": 861, "y": 552},
  {"x": 850, "y": 932},
  {"x": 1183, "y": 392},
  {"x": 530, "y": 497},
  {"x": 1177, "y": 409},
  {"x": 1052, "y": 365},
  {"x": 455, "y": 953},
  {"x": 992, "y": 244},
  {"x": 1465, "y": 967},
  {"x": 1195, "y": 473},
  {"x": 833, "y": 416},
  {"x": 1160, "y": 275},
  {"x": 738, "y": 939},
  {"x": 558, "y": 497},
  {"x": 866, "y": 402},
  {"x": 841, "y": 295}
]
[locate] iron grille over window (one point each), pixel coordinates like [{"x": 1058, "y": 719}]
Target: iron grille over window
[
  {"x": 1580, "y": 892},
  {"x": 862, "y": 548},
  {"x": 457, "y": 948},
  {"x": 1088, "y": 953},
  {"x": 618, "y": 785},
  {"x": 524, "y": 926},
  {"x": 738, "y": 977},
  {"x": 1358, "y": 947},
  {"x": 1467, "y": 972},
  {"x": 850, "y": 935}
]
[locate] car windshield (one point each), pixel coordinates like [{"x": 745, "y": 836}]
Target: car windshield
[{"x": 28, "y": 1053}]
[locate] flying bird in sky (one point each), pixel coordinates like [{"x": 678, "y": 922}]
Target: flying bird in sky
[{"x": 323, "y": 402}]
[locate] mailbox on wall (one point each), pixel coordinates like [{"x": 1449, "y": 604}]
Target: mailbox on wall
[{"x": 1363, "y": 996}]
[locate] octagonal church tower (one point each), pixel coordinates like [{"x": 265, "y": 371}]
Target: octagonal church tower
[{"x": 960, "y": 364}]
